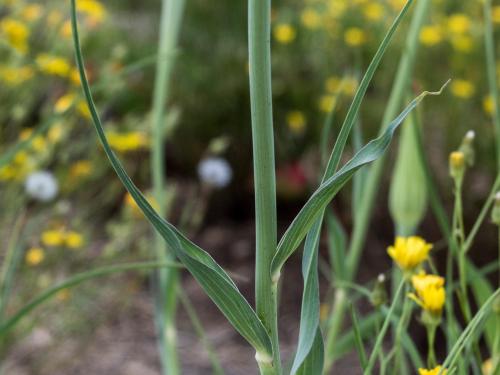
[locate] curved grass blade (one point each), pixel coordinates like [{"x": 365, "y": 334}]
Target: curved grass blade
[
  {"x": 212, "y": 278},
  {"x": 360, "y": 348},
  {"x": 313, "y": 364},
  {"x": 73, "y": 281},
  {"x": 314, "y": 207}
]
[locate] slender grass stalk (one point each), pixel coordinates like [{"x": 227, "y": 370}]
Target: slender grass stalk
[
  {"x": 259, "y": 31},
  {"x": 8, "y": 324},
  {"x": 491, "y": 72},
  {"x": 380, "y": 338},
  {"x": 170, "y": 23}
]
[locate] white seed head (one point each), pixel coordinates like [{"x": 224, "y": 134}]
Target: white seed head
[
  {"x": 497, "y": 197},
  {"x": 42, "y": 186},
  {"x": 215, "y": 171},
  {"x": 381, "y": 278},
  {"x": 470, "y": 135}
]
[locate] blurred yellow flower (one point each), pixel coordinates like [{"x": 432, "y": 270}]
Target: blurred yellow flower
[
  {"x": 487, "y": 367},
  {"x": 16, "y": 33},
  {"x": 93, "y": 9},
  {"x": 431, "y": 35},
  {"x": 54, "y": 17},
  {"x": 74, "y": 76},
  {"x": 15, "y": 76},
  {"x": 462, "y": 43},
  {"x": 409, "y": 252},
  {"x": 65, "y": 30},
  {"x": 64, "y": 103},
  {"x": 53, "y": 237},
  {"x": 354, "y": 37},
  {"x": 495, "y": 14},
  {"x": 53, "y": 65},
  {"x": 350, "y": 85},
  {"x": 81, "y": 168},
  {"x": 296, "y": 121},
  {"x": 430, "y": 293},
  {"x": 310, "y": 18},
  {"x": 462, "y": 88},
  {"x": 284, "y": 33},
  {"x": 83, "y": 109},
  {"x": 34, "y": 256},
  {"x": 73, "y": 240},
  {"x": 326, "y": 103},
  {"x": 488, "y": 104},
  {"x": 129, "y": 141},
  {"x": 434, "y": 371},
  {"x": 55, "y": 132},
  {"x": 31, "y": 12},
  {"x": 332, "y": 84},
  {"x": 63, "y": 294},
  {"x": 373, "y": 11},
  {"x": 136, "y": 211},
  {"x": 458, "y": 23}
]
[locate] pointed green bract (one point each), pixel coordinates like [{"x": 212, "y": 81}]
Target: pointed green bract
[{"x": 212, "y": 278}]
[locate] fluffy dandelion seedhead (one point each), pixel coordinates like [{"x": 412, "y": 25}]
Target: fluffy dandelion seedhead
[
  {"x": 429, "y": 292},
  {"x": 41, "y": 186},
  {"x": 409, "y": 252},
  {"x": 215, "y": 172},
  {"x": 434, "y": 371}
]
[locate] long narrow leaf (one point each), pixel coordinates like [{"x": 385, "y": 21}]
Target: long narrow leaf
[
  {"x": 212, "y": 278},
  {"x": 327, "y": 191}
]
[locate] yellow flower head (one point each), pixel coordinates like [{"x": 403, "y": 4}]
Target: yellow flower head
[
  {"x": 34, "y": 256},
  {"x": 53, "y": 237},
  {"x": 488, "y": 104},
  {"x": 310, "y": 18},
  {"x": 93, "y": 9},
  {"x": 73, "y": 240},
  {"x": 16, "y": 34},
  {"x": 32, "y": 12},
  {"x": 284, "y": 33},
  {"x": 409, "y": 252},
  {"x": 354, "y": 37},
  {"x": 459, "y": 23},
  {"x": 430, "y": 292},
  {"x": 462, "y": 89},
  {"x": 64, "y": 103},
  {"x": 431, "y": 35},
  {"x": 434, "y": 371},
  {"x": 296, "y": 121},
  {"x": 81, "y": 168},
  {"x": 125, "y": 142},
  {"x": 373, "y": 11},
  {"x": 53, "y": 65}
]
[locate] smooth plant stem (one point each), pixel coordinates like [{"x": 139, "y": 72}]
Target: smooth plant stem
[
  {"x": 383, "y": 330},
  {"x": 431, "y": 338},
  {"x": 362, "y": 220},
  {"x": 402, "y": 327},
  {"x": 259, "y": 34},
  {"x": 170, "y": 23},
  {"x": 200, "y": 331},
  {"x": 489, "y": 43}
]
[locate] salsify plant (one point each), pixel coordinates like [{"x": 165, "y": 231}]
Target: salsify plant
[{"x": 416, "y": 281}]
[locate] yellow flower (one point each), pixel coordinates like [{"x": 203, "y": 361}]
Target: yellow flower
[
  {"x": 74, "y": 76},
  {"x": 136, "y": 211},
  {"x": 434, "y": 371},
  {"x": 332, "y": 84},
  {"x": 459, "y": 23},
  {"x": 73, "y": 240},
  {"x": 430, "y": 292},
  {"x": 296, "y": 121},
  {"x": 431, "y": 35},
  {"x": 81, "y": 168},
  {"x": 53, "y": 238},
  {"x": 462, "y": 88},
  {"x": 310, "y": 18},
  {"x": 83, "y": 109},
  {"x": 125, "y": 142},
  {"x": 15, "y": 76},
  {"x": 284, "y": 33},
  {"x": 495, "y": 14},
  {"x": 488, "y": 104},
  {"x": 32, "y": 12},
  {"x": 354, "y": 37},
  {"x": 16, "y": 34},
  {"x": 409, "y": 252},
  {"x": 93, "y": 9},
  {"x": 326, "y": 103},
  {"x": 55, "y": 132},
  {"x": 64, "y": 103},
  {"x": 457, "y": 159},
  {"x": 462, "y": 43},
  {"x": 53, "y": 65},
  {"x": 373, "y": 11},
  {"x": 65, "y": 30},
  {"x": 350, "y": 84},
  {"x": 35, "y": 256}
]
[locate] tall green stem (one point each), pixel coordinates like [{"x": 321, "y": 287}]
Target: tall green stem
[
  {"x": 259, "y": 31},
  {"x": 491, "y": 72},
  {"x": 171, "y": 17}
]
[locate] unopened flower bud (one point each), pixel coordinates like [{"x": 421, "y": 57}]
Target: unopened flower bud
[
  {"x": 495, "y": 212},
  {"x": 379, "y": 294},
  {"x": 467, "y": 147},
  {"x": 457, "y": 164}
]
